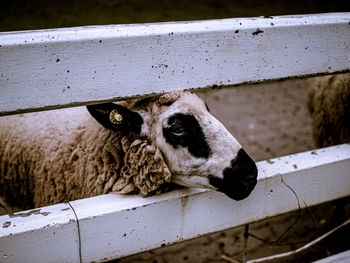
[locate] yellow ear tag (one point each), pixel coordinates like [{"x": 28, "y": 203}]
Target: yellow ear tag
[{"x": 115, "y": 117}]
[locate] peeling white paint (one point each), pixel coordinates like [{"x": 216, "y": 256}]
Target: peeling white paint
[{"x": 38, "y": 235}]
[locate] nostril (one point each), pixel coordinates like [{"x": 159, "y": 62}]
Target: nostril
[
  {"x": 239, "y": 179},
  {"x": 242, "y": 164}
]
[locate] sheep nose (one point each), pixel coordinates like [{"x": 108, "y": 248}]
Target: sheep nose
[{"x": 239, "y": 179}]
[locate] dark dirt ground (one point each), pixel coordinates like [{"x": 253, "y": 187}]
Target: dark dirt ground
[
  {"x": 39, "y": 14},
  {"x": 268, "y": 119}
]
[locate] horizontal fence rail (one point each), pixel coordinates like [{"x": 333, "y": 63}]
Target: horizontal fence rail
[
  {"x": 64, "y": 67},
  {"x": 113, "y": 226}
]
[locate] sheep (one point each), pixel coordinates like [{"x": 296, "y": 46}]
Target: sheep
[
  {"x": 328, "y": 101},
  {"x": 137, "y": 146}
]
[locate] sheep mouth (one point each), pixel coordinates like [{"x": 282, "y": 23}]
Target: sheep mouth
[
  {"x": 236, "y": 190},
  {"x": 239, "y": 179},
  {"x": 241, "y": 194}
]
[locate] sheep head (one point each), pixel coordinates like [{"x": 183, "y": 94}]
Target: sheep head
[{"x": 177, "y": 139}]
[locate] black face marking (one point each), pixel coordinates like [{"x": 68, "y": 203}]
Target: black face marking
[
  {"x": 206, "y": 105},
  {"x": 239, "y": 179},
  {"x": 131, "y": 121},
  {"x": 184, "y": 130}
]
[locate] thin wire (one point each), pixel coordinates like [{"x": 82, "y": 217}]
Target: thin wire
[
  {"x": 286, "y": 254},
  {"x": 245, "y": 243},
  {"x": 78, "y": 228},
  {"x": 227, "y": 258},
  {"x": 290, "y": 226}
]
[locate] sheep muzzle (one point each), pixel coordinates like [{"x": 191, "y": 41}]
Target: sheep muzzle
[{"x": 239, "y": 179}]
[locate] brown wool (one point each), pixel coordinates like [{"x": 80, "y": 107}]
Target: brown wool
[
  {"x": 329, "y": 105},
  {"x": 63, "y": 155}
]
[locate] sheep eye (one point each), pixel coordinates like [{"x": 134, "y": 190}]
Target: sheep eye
[{"x": 178, "y": 132}]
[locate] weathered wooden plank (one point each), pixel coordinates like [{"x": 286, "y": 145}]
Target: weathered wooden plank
[
  {"x": 114, "y": 226},
  {"x": 48, "y": 234},
  {"x": 61, "y": 67}
]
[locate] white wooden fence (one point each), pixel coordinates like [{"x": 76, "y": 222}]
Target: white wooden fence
[{"x": 64, "y": 67}]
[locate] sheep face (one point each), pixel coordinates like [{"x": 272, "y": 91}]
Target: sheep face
[{"x": 197, "y": 148}]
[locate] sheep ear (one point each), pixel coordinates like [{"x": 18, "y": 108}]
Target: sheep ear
[{"x": 116, "y": 117}]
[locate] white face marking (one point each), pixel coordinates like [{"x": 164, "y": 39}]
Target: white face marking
[
  {"x": 146, "y": 119},
  {"x": 192, "y": 181},
  {"x": 187, "y": 169}
]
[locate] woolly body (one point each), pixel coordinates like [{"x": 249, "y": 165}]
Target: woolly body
[
  {"x": 63, "y": 155},
  {"x": 329, "y": 105}
]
